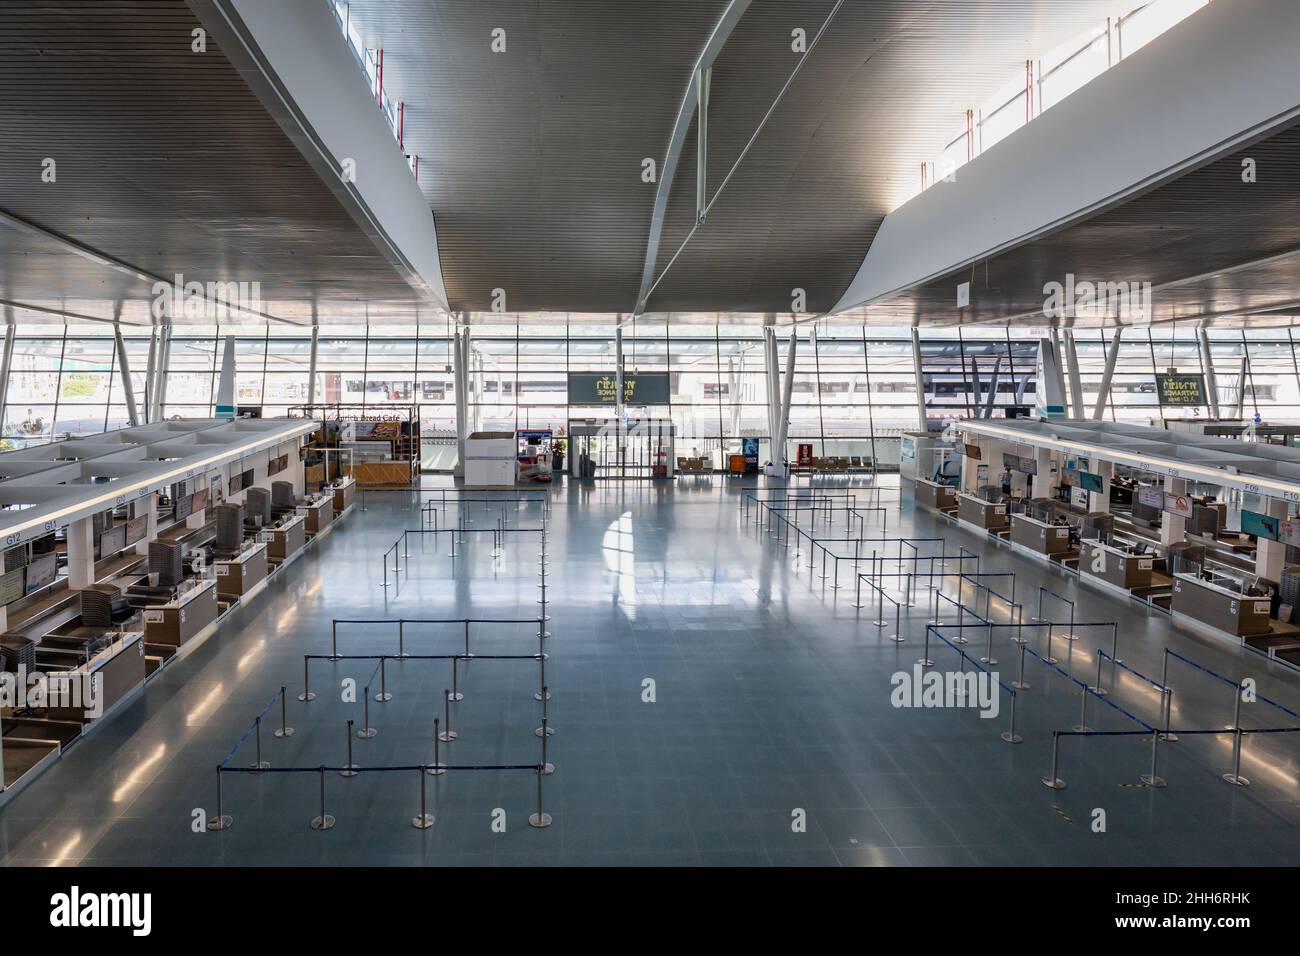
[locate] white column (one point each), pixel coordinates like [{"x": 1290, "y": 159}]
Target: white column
[
  {"x": 1173, "y": 528},
  {"x": 123, "y": 367},
  {"x": 1076, "y": 383},
  {"x": 297, "y": 473},
  {"x": 1211, "y": 381},
  {"x": 1103, "y": 393},
  {"x": 1099, "y": 501},
  {"x": 81, "y": 553},
  {"x": 461, "y": 384},
  {"x": 781, "y": 461},
  {"x": 1048, "y": 479},
  {"x": 311, "y": 365},
  {"x": 1270, "y": 556},
  {"x": 150, "y": 504}
]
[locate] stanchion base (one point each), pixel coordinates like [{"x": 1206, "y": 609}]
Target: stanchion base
[
  {"x": 260, "y": 765},
  {"x": 857, "y": 605},
  {"x": 447, "y": 736},
  {"x": 1081, "y": 729},
  {"x": 538, "y": 695},
  {"x": 284, "y": 732},
  {"x": 306, "y": 697},
  {"x": 550, "y": 731},
  {"x": 1236, "y": 780},
  {"x": 1051, "y": 660},
  {"x": 423, "y": 821},
  {"x": 1153, "y": 781},
  {"x": 880, "y": 623},
  {"x": 435, "y": 769},
  {"x": 456, "y": 698},
  {"x": 1020, "y": 640},
  {"x": 223, "y": 822},
  {"x": 1054, "y": 783},
  {"x": 1169, "y": 738},
  {"x": 1018, "y": 685},
  {"x": 497, "y": 552},
  {"x": 365, "y": 733},
  {"x": 383, "y": 698},
  {"x": 1011, "y": 738},
  {"x": 1071, "y": 637},
  {"x": 322, "y": 823},
  {"x": 988, "y": 660},
  {"x": 548, "y": 768},
  {"x": 897, "y": 640},
  {"x": 960, "y": 640},
  {"x": 1099, "y": 691},
  {"x": 351, "y": 770},
  {"x": 539, "y": 820}
]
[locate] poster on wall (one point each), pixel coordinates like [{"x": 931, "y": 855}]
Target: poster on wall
[
  {"x": 600, "y": 388},
  {"x": 1180, "y": 390},
  {"x": 1178, "y": 504},
  {"x": 804, "y": 458}
]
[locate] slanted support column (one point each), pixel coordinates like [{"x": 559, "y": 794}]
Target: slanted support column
[
  {"x": 460, "y": 354},
  {"x": 81, "y": 553},
  {"x": 164, "y": 366},
  {"x": 771, "y": 369},
  {"x": 1103, "y": 393},
  {"x": 1076, "y": 382},
  {"x": 1059, "y": 356},
  {"x": 1211, "y": 380},
  {"x": 311, "y": 365},
  {"x": 124, "y": 368},
  {"x": 780, "y": 462},
  {"x": 7, "y": 360},
  {"x": 923, "y": 421}
]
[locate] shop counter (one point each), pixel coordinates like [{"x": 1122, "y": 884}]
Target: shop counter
[
  {"x": 1039, "y": 536},
  {"x": 179, "y": 620},
  {"x": 1220, "y": 608},
  {"x": 287, "y": 540},
  {"x": 981, "y": 513},
  {"x": 931, "y": 494},
  {"x": 318, "y": 513},
  {"x": 343, "y": 491},
  {"x": 1115, "y": 566},
  {"x": 238, "y": 576}
]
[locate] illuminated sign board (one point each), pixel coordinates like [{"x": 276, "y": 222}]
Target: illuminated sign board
[
  {"x": 600, "y": 388},
  {"x": 1180, "y": 390}
]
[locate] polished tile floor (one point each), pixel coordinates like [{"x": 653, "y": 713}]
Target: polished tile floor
[{"x": 771, "y": 705}]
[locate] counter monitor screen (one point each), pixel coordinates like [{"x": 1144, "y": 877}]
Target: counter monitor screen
[
  {"x": 1261, "y": 526},
  {"x": 236, "y": 483},
  {"x": 136, "y": 529},
  {"x": 112, "y": 541},
  {"x": 200, "y": 500},
  {"x": 1090, "y": 482},
  {"x": 11, "y": 586},
  {"x": 41, "y": 572},
  {"x": 973, "y": 451},
  {"x": 183, "y": 507},
  {"x": 1010, "y": 462},
  {"x": 1152, "y": 497},
  {"x": 16, "y": 558}
]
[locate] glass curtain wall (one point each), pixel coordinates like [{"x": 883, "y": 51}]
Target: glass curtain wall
[{"x": 854, "y": 390}]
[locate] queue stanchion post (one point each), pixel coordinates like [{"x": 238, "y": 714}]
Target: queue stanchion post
[
  {"x": 1235, "y": 778},
  {"x": 1082, "y": 727},
  {"x": 541, "y": 692},
  {"x": 383, "y": 696},
  {"x": 1167, "y": 735},
  {"x": 545, "y": 730},
  {"x": 220, "y": 820},
  {"x": 306, "y": 694},
  {"x": 924, "y": 660},
  {"x": 545, "y": 766},
  {"x": 467, "y": 653},
  {"x": 1052, "y": 781},
  {"x": 1153, "y": 779},
  {"x": 324, "y": 821},
  {"x": 1010, "y": 735},
  {"x": 541, "y": 818},
  {"x": 334, "y": 641},
  {"x": 1019, "y": 683},
  {"x": 988, "y": 657},
  {"x": 1097, "y": 688},
  {"x": 258, "y": 762},
  {"x": 424, "y": 819},
  {"x": 366, "y": 732},
  {"x": 1049, "y": 658},
  {"x": 447, "y": 735},
  {"x": 284, "y": 730},
  {"x": 349, "y": 769},
  {"x": 436, "y": 769},
  {"x": 401, "y": 638},
  {"x": 455, "y": 696}
]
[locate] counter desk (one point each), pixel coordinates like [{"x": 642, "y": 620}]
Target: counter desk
[
  {"x": 1040, "y": 537},
  {"x": 981, "y": 513},
  {"x": 238, "y": 576},
  {"x": 288, "y": 539},
  {"x": 184, "y": 617},
  {"x": 1218, "y": 607},
  {"x": 931, "y": 494},
  {"x": 1115, "y": 566}
]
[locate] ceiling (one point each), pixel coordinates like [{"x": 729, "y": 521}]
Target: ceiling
[
  {"x": 533, "y": 156},
  {"x": 1209, "y": 244},
  {"x": 531, "y": 163},
  {"x": 165, "y": 162}
]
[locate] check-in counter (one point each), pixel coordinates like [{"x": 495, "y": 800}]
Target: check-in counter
[
  {"x": 931, "y": 494},
  {"x": 1115, "y": 566},
  {"x": 238, "y": 576},
  {"x": 1219, "y": 607},
  {"x": 118, "y": 669},
  {"x": 1039, "y": 535},
  {"x": 287, "y": 540},
  {"x": 343, "y": 490},
  {"x": 981, "y": 513},
  {"x": 318, "y": 513},
  {"x": 176, "y": 622}
]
